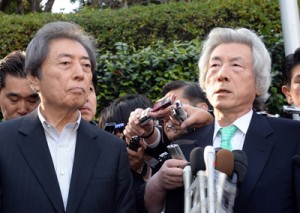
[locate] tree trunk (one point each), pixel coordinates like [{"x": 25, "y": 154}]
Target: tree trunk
[
  {"x": 20, "y": 7},
  {"x": 35, "y": 5},
  {"x": 49, "y": 5}
]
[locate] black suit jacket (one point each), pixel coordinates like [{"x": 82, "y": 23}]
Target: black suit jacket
[
  {"x": 101, "y": 179},
  {"x": 272, "y": 183}
]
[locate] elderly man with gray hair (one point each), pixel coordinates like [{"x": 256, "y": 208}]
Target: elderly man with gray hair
[
  {"x": 235, "y": 72},
  {"x": 52, "y": 160}
]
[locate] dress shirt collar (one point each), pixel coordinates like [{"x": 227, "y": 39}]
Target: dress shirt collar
[
  {"x": 47, "y": 124},
  {"x": 242, "y": 123}
]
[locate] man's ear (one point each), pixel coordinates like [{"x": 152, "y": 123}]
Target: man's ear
[
  {"x": 34, "y": 82},
  {"x": 202, "y": 105},
  {"x": 287, "y": 92}
]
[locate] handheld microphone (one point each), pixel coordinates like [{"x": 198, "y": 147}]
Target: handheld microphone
[
  {"x": 197, "y": 160},
  {"x": 225, "y": 161},
  {"x": 240, "y": 166},
  {"x": 187, "y": 179},
  {"x": 296, "y": 160},
  {"x": 225, "y": 165},
  {"x": 209, "y": 159},
  {"x": 198, "y": 167}
]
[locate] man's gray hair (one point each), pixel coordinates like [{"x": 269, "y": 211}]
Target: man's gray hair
[
  {"x": 38, "y": 47},
  {"x": 260, "y": 57}
]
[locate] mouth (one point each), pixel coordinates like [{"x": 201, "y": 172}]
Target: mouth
[
  {"x": 77, "y": 90},
  {"x": 222, "y": 91},
  {"x": 84, "y": 109}
]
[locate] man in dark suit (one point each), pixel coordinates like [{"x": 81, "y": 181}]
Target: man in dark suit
[
  {"x": 52, "y": 160},
  {"x": 235, "y": 73}
]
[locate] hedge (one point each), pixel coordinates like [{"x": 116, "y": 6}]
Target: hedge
[{"x": 143, "y": 47}]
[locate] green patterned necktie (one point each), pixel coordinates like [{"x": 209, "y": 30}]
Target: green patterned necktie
[{"x": 226, "y": 135}]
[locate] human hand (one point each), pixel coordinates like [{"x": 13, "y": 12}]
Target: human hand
[
  {"x": 136, "y": 158},
  {"x": 170, "y": 175},
  {"x": 134, "y": 127},
  {"x": 196, "y": 117}
]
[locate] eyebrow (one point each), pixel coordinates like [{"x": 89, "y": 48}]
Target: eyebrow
[
  {"x": 218, "y": 58},
  {"x": 13, "y": 94},
  {"x": 72, "y": 56}
]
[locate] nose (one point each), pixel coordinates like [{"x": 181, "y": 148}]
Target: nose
[
  {"x": 223, "y": 73},
  {"x": 78, "y": 72},
  {"x": 23, "y": 109}
]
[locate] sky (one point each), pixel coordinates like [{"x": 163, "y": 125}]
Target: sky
[{"x": 63, "y": 6}]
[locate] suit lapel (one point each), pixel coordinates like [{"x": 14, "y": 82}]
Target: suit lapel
[
  {"x": 86, "y": 155},
  {"x": 257, "y": 147},
  {"x": 36, "y": 153}
]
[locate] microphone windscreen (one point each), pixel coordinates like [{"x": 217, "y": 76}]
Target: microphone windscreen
[
  {"x": 240, "y": 164},
  {"x": 197, "y": 160},
  {"x": 225, "y": 161},
  {"x": 296, "y": 160}
]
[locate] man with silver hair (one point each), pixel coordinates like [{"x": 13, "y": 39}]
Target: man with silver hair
[
  {"x": 52, "y": 160},
  {"x": 235, "y": 72}
]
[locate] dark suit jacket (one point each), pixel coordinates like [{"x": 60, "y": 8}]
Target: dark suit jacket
[
  {"x": 100, "y": 182},
  {"x": 272, "y": 183}
]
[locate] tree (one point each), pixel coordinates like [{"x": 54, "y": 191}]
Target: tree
[{"x": 24, "y": 6}]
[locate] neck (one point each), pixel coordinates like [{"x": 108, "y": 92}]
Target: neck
[
  {"x": 59, "y": 118},
  {"x": 225, "y": 118}
]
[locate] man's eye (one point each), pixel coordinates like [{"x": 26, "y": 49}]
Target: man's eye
[
  {"x": 33, "y": 100},
  {"x": 214, "y": 65},
  {"x": 14, "y": 100},
  {"x": 65, "y": 63},
  {"x": 87, "y": 65},
  {"x": 237, "y": 65}
]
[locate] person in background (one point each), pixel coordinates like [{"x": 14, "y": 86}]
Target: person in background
[
  {"x": 118, "y": 113},
  {"x": 51, "y": 159},
  {"x": 235, "y": 71},
  {"x": 291, "y": 78},
  {"x": 195, "y": 105},
  {"x": 111, "y": 118},
  {"x": 89, "y": 109},
  {"x": 17, "y": 98},
  {"x": 188, "y": 93}
]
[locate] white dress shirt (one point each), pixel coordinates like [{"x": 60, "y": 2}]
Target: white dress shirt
[
  {"x": 62, "y": 149},
  {"x": 238, "y": 138}
]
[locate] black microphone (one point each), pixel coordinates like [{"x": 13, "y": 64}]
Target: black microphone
[
  {"x": 197, "y": 160},
  {"x": 196, "y": 164},
  {"x": 296, "y": 160},
  {"x": 240, "y": 166}
]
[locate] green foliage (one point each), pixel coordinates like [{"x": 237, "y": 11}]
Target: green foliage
[
  {"x": 16, "y": 31},
  {"x": 147, "y": 70},
  {"x": 143, "y": 47}
]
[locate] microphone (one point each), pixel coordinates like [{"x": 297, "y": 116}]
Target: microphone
[
  {"x": 197, "y": 160},
  {"x": 198, "y": 167},
  {"x": 225, "y": 165},
  {"x": 187, "y": 179},
  {"x": 225, "y": 161},
  {"x": 240, "y": 166},
  {"x": 296, "y": 160},
  {"x": 209, "y": 159}
]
